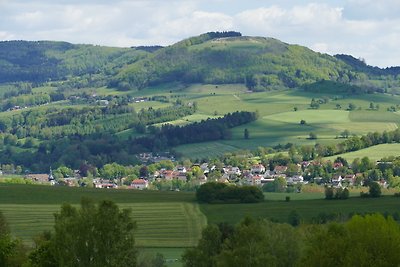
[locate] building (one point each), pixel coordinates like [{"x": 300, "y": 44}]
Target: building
[{"x": 139, "y": 184}]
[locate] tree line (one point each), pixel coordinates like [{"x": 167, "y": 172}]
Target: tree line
[
  {"x": 206, "y": 130},
  {"x": 370, "y": 240}
]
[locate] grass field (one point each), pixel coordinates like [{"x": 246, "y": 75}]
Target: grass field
[
  {"x": 307, "y": 209},
  {"x": 374, "y": 152},
  {"x": 168, "y": 224},
  {"x": 167, "y": 221},
  {"x": 36, "y": 194},
  {"x": 279, "y": 123}
]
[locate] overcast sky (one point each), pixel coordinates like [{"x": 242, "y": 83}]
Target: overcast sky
[{"x": 369, "y": 29}]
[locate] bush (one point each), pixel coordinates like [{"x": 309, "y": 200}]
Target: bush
[
  {"x": 221, "y": 193},
  {"x": 374, "y": 189},
  {"x": 336, "y": 193}
]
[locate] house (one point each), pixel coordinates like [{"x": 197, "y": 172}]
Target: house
[
  {"x": 337, "y": 180},
  {"x": 295, "y": 179},
  {"x": 139, "y": 184},
  {"x": 280, "y": 169},
  {"x": 269, "y": 174},
  {"x": 232, "y": 171},
  {"x": 167, "y": 175},
  {"x": 180, "y": 176},
  {"x": 181, "y": 169},
  {"x": 337, "y": 165},
  {"x": 349, "y": 179},
  {"x": 257, "y": 169},
  {"x": 42, "y": 177},
  {"x": 105, "y": 185},
  {"x": 256, "y": 180}
]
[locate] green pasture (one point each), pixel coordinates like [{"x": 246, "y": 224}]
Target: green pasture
[
  {"x": 197, "y": 117},
  {"x": 38, "y": 194},
  {"x": 279, "y": 123},
  {"x": 307, "y": 209},
  {"x": 167, "y": 224},
  {"x": 374, "y": 152}
]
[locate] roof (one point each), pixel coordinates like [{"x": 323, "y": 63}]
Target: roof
[{"x": 139, "y": 181}]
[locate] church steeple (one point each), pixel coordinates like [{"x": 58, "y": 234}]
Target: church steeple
[{"x": 51, "y": 178}]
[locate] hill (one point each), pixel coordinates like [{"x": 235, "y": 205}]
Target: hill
[
  {"x": 43, "y": 61},
  {"x": 57, "y": 109},
  {"x": 259, "y": 62}
]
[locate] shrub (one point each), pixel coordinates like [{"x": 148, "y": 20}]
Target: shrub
[
  {"x": 221, "y": 193},
  {"x": 374, "y": 189}
]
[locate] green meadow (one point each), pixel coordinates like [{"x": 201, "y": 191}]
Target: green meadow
[
  {"x": 280, "y": 113},
  {"x": 374, "y": 152},
  {"x": 168, "y": 222},
  {"x": 306, "y": 208}
]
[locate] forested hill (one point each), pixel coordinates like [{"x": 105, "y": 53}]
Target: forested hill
[
  {"x": 228, "y": 57},
  {"x": 42, "y": 61},
  {"x": 259, "y": 62},
  {"x": 214, "y": 57}
]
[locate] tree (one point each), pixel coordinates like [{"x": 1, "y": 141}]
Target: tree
[
  {"x": 12, "y": 251},
  {"x": 352, "y": 106},
  {"x": 303, "y": 122},
  {"x": 209, "y": 246},
  {"x": 329, "y": 192},
  {"x": 374, "y": 189},
  {"x": 94, "y": 235},
  {"x": 246, "y": 134},
  {"x": 260, "y": 243},
  {"x": 371, "y": 105},
  {"x": 314, "y": 104},
  {"x": 372, "y": 240},
  {"x": 313, "y": 135},
  {"x": 345, "y": 134}
]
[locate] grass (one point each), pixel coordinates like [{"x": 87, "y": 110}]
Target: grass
[
  {"x": 279, "y": 123},
  {"x": 165, "y": 219},
  {"x": 374, "y": 152},
  {"x": 37, "y": 194},
  {"x": 307, "y": 209},
  {"x": 167, "y": 224}
]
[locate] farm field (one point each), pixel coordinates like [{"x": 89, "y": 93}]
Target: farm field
[
  {"x": 278, "y": 121},
  {"x": 374, "y": 152},
  {"x": 158, "y": 224},
  {"x": 307, "y": 209},
  {"x": 167, "y": 222}
]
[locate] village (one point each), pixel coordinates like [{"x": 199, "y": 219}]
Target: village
[{"x": 162, "y": 172}]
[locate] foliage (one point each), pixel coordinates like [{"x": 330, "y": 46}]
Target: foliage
[
  {"x": 83, "y": 237},
  {"x": 374, "y": 189},
  {"x": 12, "y": 251},
  {"x": 336, "y": 193},
  {"x": 251, "y": 243},
  {"x": 371, "y": 240},
  {"x": 213, "y": 192}
]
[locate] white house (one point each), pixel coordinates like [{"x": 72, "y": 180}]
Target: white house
[
  {"x": 258, "y": 169},
  {"x": 139, "y": 184}
]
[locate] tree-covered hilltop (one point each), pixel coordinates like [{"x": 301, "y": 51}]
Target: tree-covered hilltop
[
  {"x": 214, "y": 57},
  {"x": 42, "y": 61},
  {"x": 259, "y": 62}
]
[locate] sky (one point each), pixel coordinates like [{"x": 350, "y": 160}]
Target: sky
[{"x": 368, "y": 29}]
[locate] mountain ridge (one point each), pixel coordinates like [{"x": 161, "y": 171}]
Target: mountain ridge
[{"x": 262, "y": 63}]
